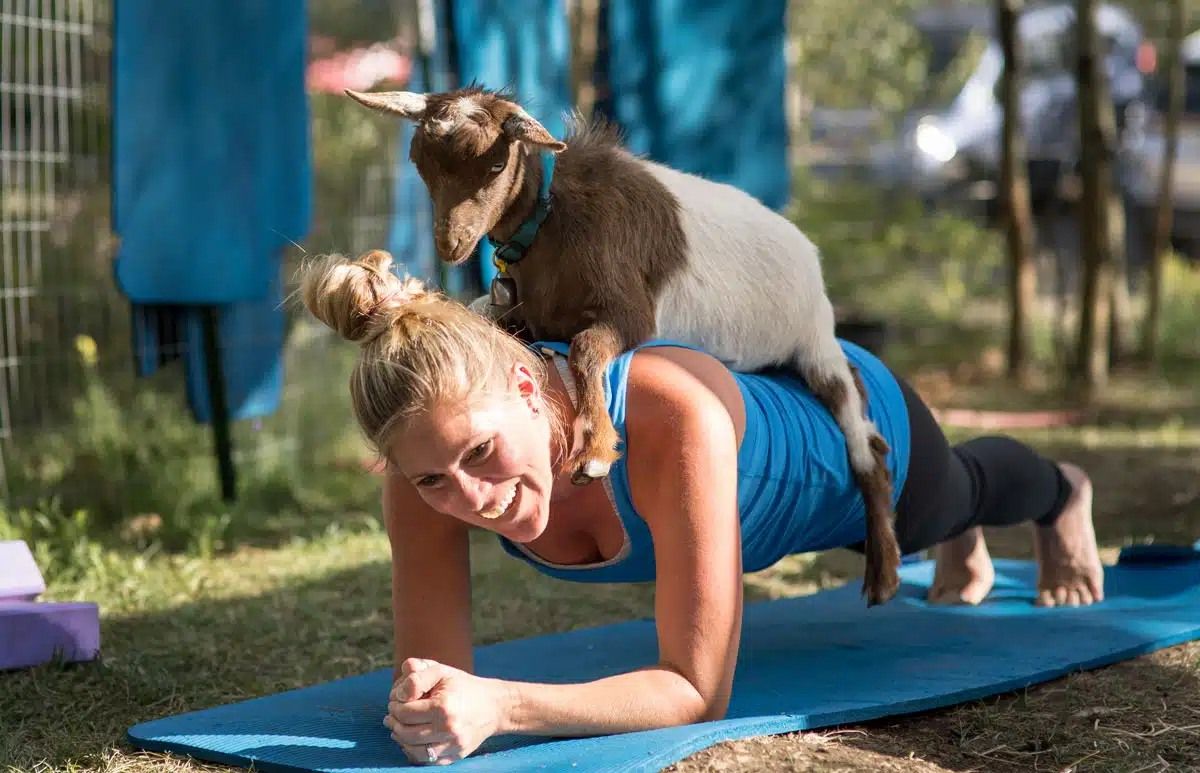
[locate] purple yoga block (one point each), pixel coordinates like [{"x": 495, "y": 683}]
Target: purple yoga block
[
  {"x": 20, "y": 579},
  {"x": 33, "y": 632}
]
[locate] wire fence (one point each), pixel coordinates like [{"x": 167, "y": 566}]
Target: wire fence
[
  {"x": 63, "y": 320},
  {"x": 53, "y": 221}
]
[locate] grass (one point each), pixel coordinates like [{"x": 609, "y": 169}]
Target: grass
[{"x": 211, "y": 604}]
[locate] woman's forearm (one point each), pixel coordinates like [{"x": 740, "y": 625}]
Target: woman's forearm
[{"x": 640, "y": 700}]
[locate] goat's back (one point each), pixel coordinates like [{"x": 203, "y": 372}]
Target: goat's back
[{"x": 752, "y": 283}]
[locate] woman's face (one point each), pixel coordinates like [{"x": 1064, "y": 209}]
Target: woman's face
[{"x": 485, "y": 461}]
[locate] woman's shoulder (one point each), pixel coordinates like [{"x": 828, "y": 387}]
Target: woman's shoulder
[{"x": 668, "y": 384}]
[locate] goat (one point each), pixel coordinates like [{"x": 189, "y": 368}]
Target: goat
[{"x": 625, "y": 250}]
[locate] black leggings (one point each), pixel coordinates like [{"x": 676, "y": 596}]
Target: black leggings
[{"x": 986, "y": 481}]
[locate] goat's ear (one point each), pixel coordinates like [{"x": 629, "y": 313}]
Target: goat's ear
[
  {"x": 406, "y": 104},
  {"x": 523, "y": 127}
]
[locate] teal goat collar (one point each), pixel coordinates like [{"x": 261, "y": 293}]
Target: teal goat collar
[{"x": 513, "y": 249}]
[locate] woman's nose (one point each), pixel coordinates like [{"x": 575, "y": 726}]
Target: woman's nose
[{"x": 473, "y": 493}]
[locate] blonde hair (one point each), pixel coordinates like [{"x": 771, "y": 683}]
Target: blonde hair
[{"x": 419, "y": 348}]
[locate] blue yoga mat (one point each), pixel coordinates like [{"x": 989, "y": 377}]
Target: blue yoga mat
[{"x": 805, "y": 663}]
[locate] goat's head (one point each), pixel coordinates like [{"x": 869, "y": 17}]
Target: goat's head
[{"x": 470, "y": 148}]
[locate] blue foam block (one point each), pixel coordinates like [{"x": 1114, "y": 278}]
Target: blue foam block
[{"x": 805, "y": 663}]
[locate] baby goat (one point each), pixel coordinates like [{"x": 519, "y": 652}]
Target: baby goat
[{"x": 630, "y": 250}]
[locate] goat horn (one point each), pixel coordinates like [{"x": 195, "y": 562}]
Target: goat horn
[{"x": 406, "y": 104}]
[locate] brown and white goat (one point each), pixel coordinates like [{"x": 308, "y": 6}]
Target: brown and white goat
[{"x": 632, "y": 250}]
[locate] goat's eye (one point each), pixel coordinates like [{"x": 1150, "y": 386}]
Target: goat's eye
[{"x": 498, "y": 166}]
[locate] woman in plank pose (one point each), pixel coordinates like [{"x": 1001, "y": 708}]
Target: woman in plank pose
[{"x": 722, "y": 473}]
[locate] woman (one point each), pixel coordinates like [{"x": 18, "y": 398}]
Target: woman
[{"x": 721, "y": 473}]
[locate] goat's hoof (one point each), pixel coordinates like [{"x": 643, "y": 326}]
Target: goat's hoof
[
  {"x": 881, "y": 590},
  {"x": 593, "y": 469}
]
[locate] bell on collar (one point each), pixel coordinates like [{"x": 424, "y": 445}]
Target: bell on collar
[{"x": 504, "y": 292}]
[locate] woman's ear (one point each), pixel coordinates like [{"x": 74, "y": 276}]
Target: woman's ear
[{"x": 522, "y": 380}]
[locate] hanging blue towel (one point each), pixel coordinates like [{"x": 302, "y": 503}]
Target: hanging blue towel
[
  {"x": 519, "y": 44},
  {"x": 210, "y": 146},
  {"x": 251, "y": 338},
  {"x": 700, "y": 87},
  {"x": 211, "y": 180}
]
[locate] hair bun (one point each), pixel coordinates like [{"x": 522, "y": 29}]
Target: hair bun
[{"x": 358, "y": 298}]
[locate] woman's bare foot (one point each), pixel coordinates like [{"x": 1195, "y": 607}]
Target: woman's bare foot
[
  {"x": 1069, "y": 568},
  {"x": 964, "y": 573}
]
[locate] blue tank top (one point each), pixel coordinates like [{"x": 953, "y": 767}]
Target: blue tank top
[{"x": 796, "y": 491}]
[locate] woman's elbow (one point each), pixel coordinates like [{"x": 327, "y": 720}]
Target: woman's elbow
[
  {"x": 704, "y": 709},
  {"x": 715, "y": 708},
  {"x": 699, "y": 705}
]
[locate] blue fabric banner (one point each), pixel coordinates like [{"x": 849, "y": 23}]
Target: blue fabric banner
[{"x": 699, "y": 86}]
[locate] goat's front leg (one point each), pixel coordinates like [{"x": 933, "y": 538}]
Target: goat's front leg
[{"x": 595, "y": 443}]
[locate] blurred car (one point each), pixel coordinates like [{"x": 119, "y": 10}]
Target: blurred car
[
  {"x": 1140, "y": 164},
  {"x": 956, "y": 151}
]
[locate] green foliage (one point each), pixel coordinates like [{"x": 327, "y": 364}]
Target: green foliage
[
  {"x": 1181, "y": 310},
  {"x": 353, "y": 21},
  {"x": 121, "y": 452},
  {"x": 63, "y": 544},
  {"x": 887, "y": 255},
  {"x": 133, "y": 471},
  {"x": 869, "y": 55}
]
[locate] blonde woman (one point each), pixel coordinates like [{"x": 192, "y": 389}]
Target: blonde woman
[{"x": 721, "y": 473}]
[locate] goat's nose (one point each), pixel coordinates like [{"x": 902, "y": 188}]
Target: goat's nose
[{"x": 451, "y": 241}]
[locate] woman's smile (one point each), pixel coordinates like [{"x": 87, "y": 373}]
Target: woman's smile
[{"x": 504, "y": 505}]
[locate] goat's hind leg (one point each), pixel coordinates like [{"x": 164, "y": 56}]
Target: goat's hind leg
[
  {"x": 594, "y": 448},
  {"x": 837, "y": 384}
]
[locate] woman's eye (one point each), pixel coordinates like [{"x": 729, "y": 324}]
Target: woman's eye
[
  {"x": 498, "y": 166},
  {"x": 479, "y": 451},
  {"x": 428, "y": 481}
]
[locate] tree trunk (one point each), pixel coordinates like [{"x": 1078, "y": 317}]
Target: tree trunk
[
  {"x": 584, "y": 16},
  {"x": 1014, "y": 196},
  {"x": 1119, "y": 319},
  {"x": 1166, "y": 189},
  {"x": 1097, "y": 139}
]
